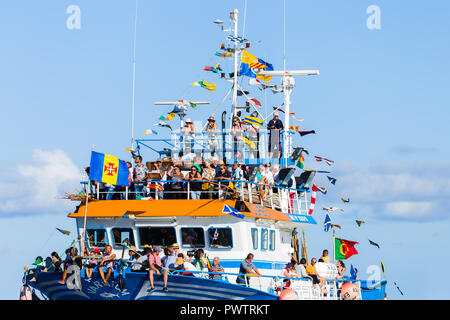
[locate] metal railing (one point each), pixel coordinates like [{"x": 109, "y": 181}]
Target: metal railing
[
  {"x": 245, "y": 146},
  {"x": 286, "y": 199}
]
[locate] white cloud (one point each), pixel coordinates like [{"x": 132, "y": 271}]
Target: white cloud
[
  {"x": 391, "y": 190},
  {"x": 34, "y": 188}
]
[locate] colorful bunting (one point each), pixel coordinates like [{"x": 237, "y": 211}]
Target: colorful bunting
[
  {"x": 327, "y": 223},
  {"x": 332, "y": 180},
  {"x": 163, "y": 125},
  {"x": 250, "y": 65},
  {"x": 319, "y": 159},
  {"x": 214, "y": 69},
  {"x": 304, "y": 133},
  {"x": 149, "y": 131},
  {"x": 330, "y": 209},
  {"x": 254, "y": 120},
  {"x": 63, "y": 231},
  {"x": 345, "y": 200},
  {"x": 322, "y": 189},
  {"x": 359, "y": 222},
  {"x": 374, "y": 244},
  {"x": 224, "y": 55},
  {"x": 254, "y": 102},
  {"x": 211, "y": 87}
]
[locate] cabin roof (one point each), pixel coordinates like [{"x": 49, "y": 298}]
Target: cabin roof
[{"x": 161, "y": 208}]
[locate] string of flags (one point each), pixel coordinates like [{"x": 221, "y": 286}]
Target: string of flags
[
  {"x": 320, "y": 159},
  {"x": 214, "y": 69},
  {"x": 211, "y": 87}
]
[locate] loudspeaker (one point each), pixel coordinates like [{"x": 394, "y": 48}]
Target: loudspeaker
[
  {"x": 306, "y": 177},
  {"x": 284, "y": 176}
]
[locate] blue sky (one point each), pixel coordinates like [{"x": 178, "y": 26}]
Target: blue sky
[{"x": 379, "y": 107}]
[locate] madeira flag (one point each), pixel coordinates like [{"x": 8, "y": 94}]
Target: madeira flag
[
  {"x": 344, "y": 249},
  {"x": 108, "y": 169},
  {"x": 250, "y": 65}
]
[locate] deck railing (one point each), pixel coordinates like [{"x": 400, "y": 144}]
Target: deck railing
[
  {"x": 289, "y": 200},
  {"x": 246, "y": 146}
]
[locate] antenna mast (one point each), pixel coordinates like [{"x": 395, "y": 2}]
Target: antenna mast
[
  {"x": 134, "y": 77},
  {"x": 234, "y": 18}
]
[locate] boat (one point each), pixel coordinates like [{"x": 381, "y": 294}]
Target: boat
[{"x": 232, "y": 218}]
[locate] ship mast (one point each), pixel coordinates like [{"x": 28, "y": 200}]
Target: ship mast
[
  {"x": 234, "y": 18},
  {"x": 134, "y": 77},
  {"x": 288, "y": 83}
]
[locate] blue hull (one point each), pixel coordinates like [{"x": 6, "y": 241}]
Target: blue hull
[
  {"x": 137, "y": 287},
  {"x": 373, "y": 290}
]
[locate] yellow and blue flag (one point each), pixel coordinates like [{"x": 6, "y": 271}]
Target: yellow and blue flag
[
  {"x": 250, "y": 65},
  {"x": 108, "y": 169}
]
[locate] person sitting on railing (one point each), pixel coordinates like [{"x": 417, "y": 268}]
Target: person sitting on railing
[
  {"x": 199, "y": 261},
  {"x": 169, "y": 259},
  {"x": 311, "y": 271},
  {"x": 139, "y": 174},
  {"x": 194, "y": 177},
  {"x": 216, "y": 267},
  {"x": 92, "y": 261},
  {"x": 156, "y": 266},
  {"x": 340, "y": 268},
  {"x": 176, "y": 186},
  {"x": 245, "y": 267},
  {"x": 211, "y": 127},
  {"x": 108, "y": 263},
  {"x": 288, "y": 272},
  {"x": 141, "y": 264},
  {"x": 208, "y": 174},
  {"x": 325, "y": 256},
  {"x": 263, "y": 183},
  {"x": 187, "y": 265}
]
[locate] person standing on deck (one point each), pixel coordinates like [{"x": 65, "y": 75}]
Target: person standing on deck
[{"x": 275, "y": 126}]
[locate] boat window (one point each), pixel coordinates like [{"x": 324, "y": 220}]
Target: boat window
[
  {"x": 254, "y": 232},
  {"x": 192, "y": 237},
  {"x": 272, "y": 240},
  {"x": 122, "y": 235},
  {"x": 220, "y": 238},
  {"x": 157, "y": 236},
  {"x": 264, "y": 239},
  {"x": 96, "y": 238}
]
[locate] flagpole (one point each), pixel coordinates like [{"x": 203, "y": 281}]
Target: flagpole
[
  {"x": 334, "y": 247},
  {"x": 83, "y": 244}
]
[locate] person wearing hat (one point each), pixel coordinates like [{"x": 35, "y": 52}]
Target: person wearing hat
[
  {"x": 176, "y": 248},
  {"x": 93, "y": 261},
  {"x": 156, "y": 266},
  {"x": 211, "y": 128},
  {"x": 188, "y": 131},
  {"x": 237, "y": 130},
  {"x": 275, "y": 125},
  {"x": 194, "y": 177}
]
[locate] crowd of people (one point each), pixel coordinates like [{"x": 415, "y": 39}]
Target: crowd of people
[
  {"x": 301, "y": 269},
  {"x": 193, "y": 263},
  {"x": 209, "y": 179}
]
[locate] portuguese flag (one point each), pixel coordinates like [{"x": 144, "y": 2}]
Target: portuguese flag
[{"x": 344, "y": 249}]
